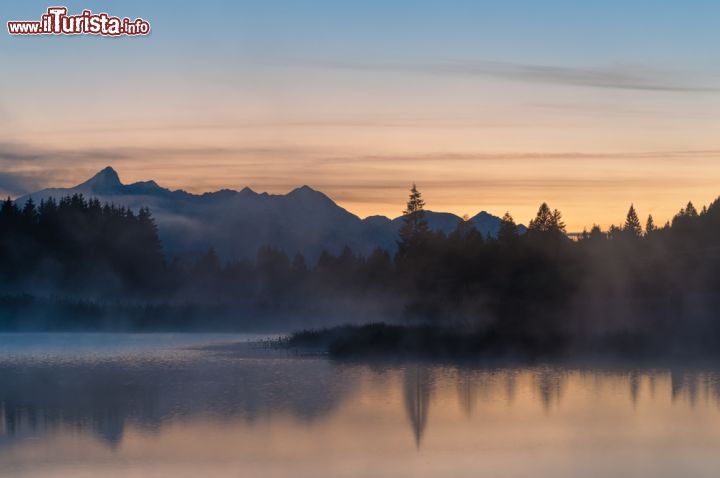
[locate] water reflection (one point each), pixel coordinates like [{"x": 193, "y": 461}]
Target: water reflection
[
  {"x": 549, "y": 384},
  {"x": 101, "y": 398},
  {"x": 417, "y": 388},
  {"x": 310, "y": 416}
]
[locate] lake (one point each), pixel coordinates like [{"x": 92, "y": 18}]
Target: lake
[{"x": 182, "y": 405}]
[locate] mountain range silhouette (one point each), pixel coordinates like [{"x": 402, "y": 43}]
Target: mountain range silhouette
[{"x": 237, "y": 223}]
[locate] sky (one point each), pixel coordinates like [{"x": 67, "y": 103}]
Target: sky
[{"x": 486, "y": 105}]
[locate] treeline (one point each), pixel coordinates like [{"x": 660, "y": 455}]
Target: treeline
[
  {"x": 630, "y": 286},
  {"x": 79, "y": 247},
  {"x": 629, "y": 289}
]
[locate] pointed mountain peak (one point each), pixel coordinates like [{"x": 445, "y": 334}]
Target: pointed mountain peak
[
  {"x": 108, "y": 174},
  {"x": 314, "y": 200},
  {"x": 305, "y": 192},
  {"x": 482, "y": 215},
  {"x": 105, "y": 180},
  {"x": 303, "y": 189}
]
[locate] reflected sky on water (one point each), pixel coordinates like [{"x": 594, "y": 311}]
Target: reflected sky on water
[{"x": 166, "y": 405}]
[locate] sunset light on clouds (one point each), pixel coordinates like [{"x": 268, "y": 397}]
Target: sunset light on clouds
[{"x": 486, "y": 105}]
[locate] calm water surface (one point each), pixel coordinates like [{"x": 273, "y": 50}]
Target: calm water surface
[{"x": 161, "y": 405}]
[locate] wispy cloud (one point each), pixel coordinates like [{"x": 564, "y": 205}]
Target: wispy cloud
[
  {"x": 23, "y": 153},
  {"x": 27, "y": 154},
  {"x": 618, "y": 76},
  {"x": 449, "y": 156},
  {"x": 334, "y": 122},
  {"x": 14, "y": 152}
]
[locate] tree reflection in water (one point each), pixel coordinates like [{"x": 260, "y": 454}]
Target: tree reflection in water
[
  {"x": 101, "y": 399},
  {"x": 417, "y": 387}
]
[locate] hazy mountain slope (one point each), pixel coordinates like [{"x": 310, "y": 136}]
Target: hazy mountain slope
[{"x": 237, "y": 223}]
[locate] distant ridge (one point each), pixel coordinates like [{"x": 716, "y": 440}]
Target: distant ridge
[{"x": 237, "y": 223}]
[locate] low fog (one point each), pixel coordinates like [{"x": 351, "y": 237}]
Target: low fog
[{"x": 81, "y": 265}]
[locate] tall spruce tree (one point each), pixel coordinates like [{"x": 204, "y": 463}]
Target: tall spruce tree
[
  {"x": 414, "y": 230},
  {"x": 556, "y": 222},
  {"x": 650, "y": 226},
  {"x": 632, "y": 223}
]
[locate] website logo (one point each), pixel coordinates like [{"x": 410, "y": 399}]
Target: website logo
[{"x": 57, "y": 22}]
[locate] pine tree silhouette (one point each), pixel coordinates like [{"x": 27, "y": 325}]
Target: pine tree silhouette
[
  {"x": 632, "y": 225},
  {"x": 414, "y": 231}
]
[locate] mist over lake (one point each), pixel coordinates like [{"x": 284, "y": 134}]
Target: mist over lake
[{"x": 114, "y": 405}]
